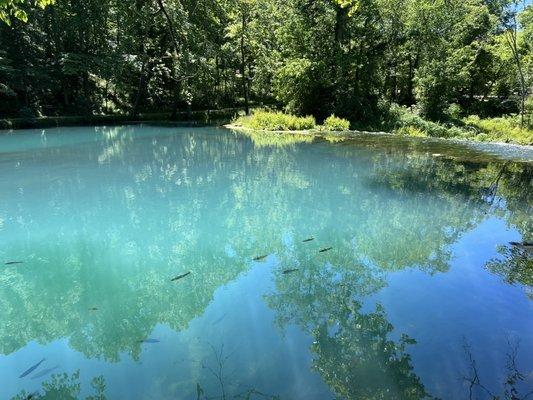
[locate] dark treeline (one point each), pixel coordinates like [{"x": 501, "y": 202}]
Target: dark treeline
[{"x": 353, "y": 58}]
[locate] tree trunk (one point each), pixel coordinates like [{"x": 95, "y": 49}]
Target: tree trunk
[
  {"x": 141, "y": 87},
  {"x": 243, "y": 66},
  {"x": 512, "y": 41}
]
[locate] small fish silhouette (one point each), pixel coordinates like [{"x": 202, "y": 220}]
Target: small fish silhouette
[
  {"x": 308, "y": 239},
  {"x": 13, "y": 262},
  {"x": 149, "y": 340},
  {"x": 288, "y": 271},
  {"x": 260, "y": 257},
  {"x": 181, "y": 276},
  {"x": 326, "y": 249},
  {"x": 32, "y": 368},
  {"x": 93, "y": 309}
]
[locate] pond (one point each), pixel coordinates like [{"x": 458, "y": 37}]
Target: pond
[{"x": 160, "y": 262}]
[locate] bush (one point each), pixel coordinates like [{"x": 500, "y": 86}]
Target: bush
[
  {"x": 503, "y": 129},
  {"x": 423, "y": 127},
  {"x": 333, "y": 123},
  {"x": 411, "y": 131},
  {"x": 275, "y": 121},
  {"x": 454, "y": 111}
]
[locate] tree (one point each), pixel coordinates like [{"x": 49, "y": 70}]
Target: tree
[{"x": 15, "y": 8}]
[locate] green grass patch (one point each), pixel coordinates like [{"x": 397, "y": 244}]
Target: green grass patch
[
  {"x": 333, "y": 123},
  {"x": 503, "y": 129},
  {"x": 275, "y": 121},
  {"x": 401, "y": 121}
]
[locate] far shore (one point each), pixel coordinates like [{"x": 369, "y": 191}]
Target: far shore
[{"x": 480, "y": 145}]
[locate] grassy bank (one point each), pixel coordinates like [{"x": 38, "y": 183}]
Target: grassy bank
[
  {"x": 202, "y": 117},
  {"x": 261, "y": 120},
  {"x": 504, "y": 129},
  {"x": 400, "y": 121}
]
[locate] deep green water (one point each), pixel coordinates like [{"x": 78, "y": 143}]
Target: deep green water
[{"x": 420, "y": 292}]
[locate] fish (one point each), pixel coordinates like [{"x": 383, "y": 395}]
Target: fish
[
  {"x": 149, "y": 340},
  {"x": 181, "y": 276},
  {"x": 260, "y": 257},
  {"x": 93, "y": 309},
  {"x": 219, "y": 319},
  {"x": 288, "y": 271},
  {"x": 44, "y": 373},
  {"x": 31, "y": 369},
  {"x": 326, "y": 249},
  {"x": 308, "y": 239},
  {"x": 13, "y": 262}
]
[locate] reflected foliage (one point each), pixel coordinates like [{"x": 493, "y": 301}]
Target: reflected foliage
[
  {"x": 266, "y": 139},
  {"x": 352, "y": 350},
  {"x": 358, "y": 360},
  {"x": 515, "y": 266},
  {"x": 65, "y": 387},
  {"x": 514, "y": 383},
  {"x": 136, "y": 208}
]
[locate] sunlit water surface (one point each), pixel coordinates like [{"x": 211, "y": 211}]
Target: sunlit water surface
[{"x": 420, "y": 295}]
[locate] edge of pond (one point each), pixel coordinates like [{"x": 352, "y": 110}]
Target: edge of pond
[{"x": 505, "y": 151}]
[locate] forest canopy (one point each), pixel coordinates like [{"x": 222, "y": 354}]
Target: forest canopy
[{"x": 357, "y": 59}]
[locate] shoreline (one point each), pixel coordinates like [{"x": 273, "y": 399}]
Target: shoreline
[
  {"x": 354, "y": 133},
  {"x": 217, "y": 117}
]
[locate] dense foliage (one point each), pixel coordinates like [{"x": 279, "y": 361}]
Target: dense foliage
[
  {"x": 275, "y": 121},
  {"x": 353, "y": 58}
]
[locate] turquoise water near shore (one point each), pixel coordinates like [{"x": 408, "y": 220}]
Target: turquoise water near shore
[{"x": 420, "y": 292}]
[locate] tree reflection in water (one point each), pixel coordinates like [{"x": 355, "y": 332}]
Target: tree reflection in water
[
  {"x": 514, "y": 386},
  {"x": 429, "y": 203},
  {"x": 65, "y": 387}
]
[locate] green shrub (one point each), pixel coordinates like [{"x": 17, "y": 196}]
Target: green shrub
[
  {"x": 503, "y": 129},
  {"x": 454, "y": 111},
  {"x": 275, "y": 121},
  {"x": 411, "y": 131},
  {"x": 333, "y": 123},
  {"x": 5, "y": 124},
  {"x": 422, "y": 126}
]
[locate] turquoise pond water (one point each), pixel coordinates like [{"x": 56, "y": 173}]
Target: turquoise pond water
[{"x": 420, "y": 296}]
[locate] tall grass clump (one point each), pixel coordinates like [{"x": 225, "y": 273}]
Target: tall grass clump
[
  {"x": 333, "y": 123},
  {"x": 503, "y": 129},
  {"x": 275, "y": 121},
  {"x": 414, "y": 125}
]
